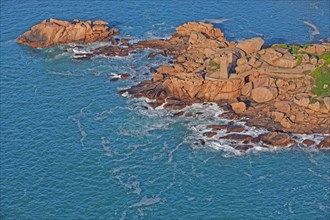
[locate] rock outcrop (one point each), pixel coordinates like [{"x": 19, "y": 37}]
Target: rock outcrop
[
  {"x": 53, "y": 32},
  {"x": 278, "y": 57},
  {"x": 272, "y": 87},
  {"x": 276, "y": 139},
  {"x": 252, "y": 45}
]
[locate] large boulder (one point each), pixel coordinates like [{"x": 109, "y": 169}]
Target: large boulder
[
  {"x": 53, "y": 32},
  {"x": 301, "y": 101},
  {"x": 238, "y": 107},
  {"x": 252, "y": 45},
  {"x": 278, "y": 57},
  {"x": 263, "y": 94}
]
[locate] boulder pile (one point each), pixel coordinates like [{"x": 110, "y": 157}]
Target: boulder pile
[{"x": 274, "y": 87}]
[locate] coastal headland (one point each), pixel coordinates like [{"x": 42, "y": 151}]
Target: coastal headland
[{"x": 282, "y": 88}]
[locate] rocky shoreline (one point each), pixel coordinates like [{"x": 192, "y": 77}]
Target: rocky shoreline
[{"x": 282, "y": 88}]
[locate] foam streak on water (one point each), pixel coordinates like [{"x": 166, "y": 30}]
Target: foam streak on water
[{"x": 315, "y": 30}]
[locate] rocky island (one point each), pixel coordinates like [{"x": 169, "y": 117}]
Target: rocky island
[{"x": 283, "y": 88}]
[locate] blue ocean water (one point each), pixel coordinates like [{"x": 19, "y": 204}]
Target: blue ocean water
[{"x": 73, "y": 148}]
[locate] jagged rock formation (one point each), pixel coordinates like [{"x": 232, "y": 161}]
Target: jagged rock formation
[
  {"x": 281, "y": 88},
  {"x": 53, "y": 32}
]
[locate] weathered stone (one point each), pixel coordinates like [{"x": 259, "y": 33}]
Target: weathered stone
[
  {"x": 59, "y": 22},
  {"x": 308, "y": 142},
  {"x": 196, "y": 37},
  {"x": 286, "y": 123},
  {"x": 301, "y": 101},
  {"x": 313, "y": 60},
  {"x": 188, "y": 28},
  {"x": 243, "y": 68},
  {"x": 318, "y": 49},
  {"x": 100, "y": 22},
  {"x": 327, "y": 102},
  {"x": 325, "y": 144},
  {"x": 174, "y": 106},
  {"x": 238, "y": 137},
  {"x": 178, "y": 114},
  {"x": 305, "y": 58},
  {"x": 324, "y": 109},
  {"x": 125, "y": 76},
  {"x": 59, "y": 32},
  {"x": 262, "y": 82},
  {"x": 247, "y": 88},
  {"x": 242, "y": 61},
  {"x": 209, "y": 134},
  {"x": 243, "y": 147},
  {"x": 157, "y": 77},
  {"x": 262, "y": 94},
  {"x": 234, "y": 128},
  {"x": 276, "y": 139},
  {"x": 238, "y": 107},
  {"x": 252, "y": 45},
  {"x": 181, "y": 59},
  {"x": 178, "y": 68},
  {"x": 154, "y": 104},
  {"x": 165, "y": 69},
  {"x": 217, "y": 127},
  {"x": 152, "y": 55},
  {"x": 315, "y": 106},
  {"x": 278, "y": 116},
  {"x": 280, "y": 58},
  {"x": 282, "y": 106}
]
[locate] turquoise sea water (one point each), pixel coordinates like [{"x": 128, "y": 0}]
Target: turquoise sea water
[{"x": 73, "y": 148}]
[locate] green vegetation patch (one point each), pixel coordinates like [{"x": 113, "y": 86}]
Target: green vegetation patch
[
  {"x": 294, "y": 48},
  {"x": 283, "y": 46},
  {"x": 299, "y": 58},
  {"x": 321, "y": 77}
]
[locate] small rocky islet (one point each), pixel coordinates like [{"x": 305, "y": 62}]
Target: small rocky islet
[{"x": 282, "y": 88}]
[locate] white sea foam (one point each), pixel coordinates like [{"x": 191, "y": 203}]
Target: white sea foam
[
  {"x": 315, "y": 30},
  {"x": 216, "y": 21},
  {"x": 105, "y": 142},
  {"x": 170, "y": 155},
  {"x": 256, "y": 33},
  {"x": 67, "y": 73},
  {"x": 146, "y": 202},
  {"x": 103, "y": 115},
  {"x": 83, "y": 133}
]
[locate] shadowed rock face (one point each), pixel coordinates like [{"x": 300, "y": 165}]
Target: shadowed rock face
[{"x": 53, "y": 32}]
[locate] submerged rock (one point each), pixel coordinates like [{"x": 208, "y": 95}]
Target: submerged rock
[
  {"x": 325, "y": 144},
  {"x": 243, "y": 147},
  {"x": 308, "y": 142},
  {"x": 238, "y": 137},
  {"x": 209, "y": 134},
  {"x": 276, "y": 139}
]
